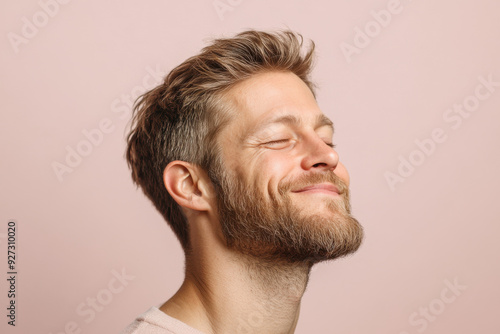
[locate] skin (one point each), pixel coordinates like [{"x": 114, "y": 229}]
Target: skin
[{"x": 278, "y": 133}]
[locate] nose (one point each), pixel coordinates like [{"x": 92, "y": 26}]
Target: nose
[{"x": 319, "y": 156}]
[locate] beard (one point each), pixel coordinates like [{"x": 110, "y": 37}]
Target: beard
[{"x": 273, "y": 229}]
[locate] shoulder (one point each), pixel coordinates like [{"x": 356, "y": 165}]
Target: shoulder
[
  {"x": 148, "y": 322},
  {"x": 154, "y": 321}
]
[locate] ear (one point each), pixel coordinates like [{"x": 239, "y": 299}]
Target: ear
[{"x": 188, "y": 185}]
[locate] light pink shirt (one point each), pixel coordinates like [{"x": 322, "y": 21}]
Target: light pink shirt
[{"x": 155, "y": 321}]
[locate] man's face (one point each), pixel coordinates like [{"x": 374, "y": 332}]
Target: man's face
[{"x": 283, "y": 193}]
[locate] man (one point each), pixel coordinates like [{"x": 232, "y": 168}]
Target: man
[{"x": 235, "y": 153}]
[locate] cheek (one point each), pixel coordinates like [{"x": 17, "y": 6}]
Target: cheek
[
  {"x": 341, "y": 172},
  {"x": 270, "y": 170}
]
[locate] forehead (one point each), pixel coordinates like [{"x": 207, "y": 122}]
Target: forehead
[{"x": 270, "y": 95}]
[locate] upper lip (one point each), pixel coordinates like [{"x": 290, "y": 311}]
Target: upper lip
[{"x": 325, "y": 186}]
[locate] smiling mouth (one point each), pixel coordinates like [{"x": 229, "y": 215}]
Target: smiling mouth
[{"x": 327, "y": 188}]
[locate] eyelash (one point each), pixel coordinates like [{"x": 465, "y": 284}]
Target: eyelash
[{"x": 281, "y": 141}]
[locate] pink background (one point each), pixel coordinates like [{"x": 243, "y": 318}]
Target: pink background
[{"x": 441, "y": 224}]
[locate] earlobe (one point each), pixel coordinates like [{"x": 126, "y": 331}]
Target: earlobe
[{"x": 183, "y": 182}]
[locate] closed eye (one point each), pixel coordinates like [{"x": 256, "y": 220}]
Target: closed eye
[
  {"x": 284, "y": 143},
  {"x": 274, "y": 142},
  {"x": 278, "y": 144}
]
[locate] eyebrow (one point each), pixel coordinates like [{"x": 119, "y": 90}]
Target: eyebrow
[{"x": 321, "y": 120}]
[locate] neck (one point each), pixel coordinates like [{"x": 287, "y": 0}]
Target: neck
[{"x": 234, "y": 293}]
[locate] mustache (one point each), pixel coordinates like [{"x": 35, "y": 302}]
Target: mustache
[{"x": 306, "y": 180}]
